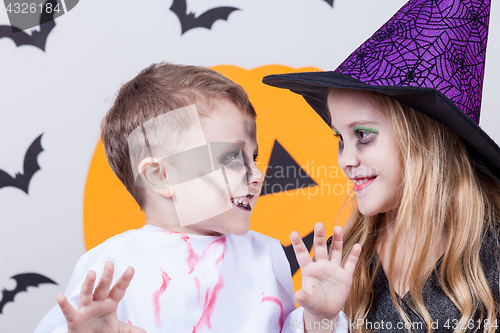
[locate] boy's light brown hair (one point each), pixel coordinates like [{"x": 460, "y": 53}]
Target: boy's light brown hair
[{"x": 157, "y": 89}]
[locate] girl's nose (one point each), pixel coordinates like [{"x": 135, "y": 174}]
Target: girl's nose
[{"x": 347, "y": 158}]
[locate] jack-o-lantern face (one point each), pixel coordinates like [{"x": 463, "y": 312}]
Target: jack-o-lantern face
[{"x": 297, "y": 153}]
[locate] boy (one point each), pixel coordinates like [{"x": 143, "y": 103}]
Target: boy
[{"x": 182, "y": 139}]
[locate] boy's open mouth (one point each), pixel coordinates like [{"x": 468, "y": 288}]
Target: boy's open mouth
[{"x": 242, "y": 202}]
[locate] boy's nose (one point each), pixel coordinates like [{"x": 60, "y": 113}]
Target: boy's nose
[{"x": 254, "y": 175}]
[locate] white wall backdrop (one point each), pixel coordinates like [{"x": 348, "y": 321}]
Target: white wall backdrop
[{"x": 65, "y": 91}]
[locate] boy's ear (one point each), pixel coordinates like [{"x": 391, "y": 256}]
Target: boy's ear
[{"x": 153, "y": 175}]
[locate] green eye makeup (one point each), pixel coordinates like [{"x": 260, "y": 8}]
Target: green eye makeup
[
  {"x": 336, "y": 132},
  {"x": 361, "y": 128}
]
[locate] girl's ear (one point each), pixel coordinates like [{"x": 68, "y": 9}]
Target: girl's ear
[{"x": 153, "y": 175}]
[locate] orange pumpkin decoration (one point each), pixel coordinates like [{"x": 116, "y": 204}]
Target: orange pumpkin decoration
[{"x": 286, "y": 127}]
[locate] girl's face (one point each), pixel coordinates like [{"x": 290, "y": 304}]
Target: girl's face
[{"x": 368, "y": 152}]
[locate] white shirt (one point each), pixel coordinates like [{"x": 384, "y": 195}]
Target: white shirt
[{"x": 193, "y": 283}]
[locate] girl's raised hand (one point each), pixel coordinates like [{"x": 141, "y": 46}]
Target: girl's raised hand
[
  {"x": 325, "y": 283},
  {"x": 97, "y": 312}
]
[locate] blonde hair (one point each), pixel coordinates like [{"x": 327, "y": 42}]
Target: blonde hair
[{"x": 448, "y": 195}]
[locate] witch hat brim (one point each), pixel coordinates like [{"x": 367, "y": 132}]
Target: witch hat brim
[
  {"x": 314, "y": 87},
  {"x": 430, "y": 56}
]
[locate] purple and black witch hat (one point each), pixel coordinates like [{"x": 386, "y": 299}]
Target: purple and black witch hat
[{"x": 430, "y": 55}]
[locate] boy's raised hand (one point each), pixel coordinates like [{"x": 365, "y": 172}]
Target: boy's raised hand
[
  {"x": 97, "y": 312},
  {"x": 325, "y": 283}
]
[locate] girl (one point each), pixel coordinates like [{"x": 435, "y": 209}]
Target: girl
[{"x": 405, "y": 107}]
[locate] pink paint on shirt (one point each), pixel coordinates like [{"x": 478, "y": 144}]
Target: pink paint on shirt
[
  {"x": 215, "y": 244},
  {"x": 156, "y": 297},
  {"x": 198, "y": 287},
  {"x": 192, "y": 258},
  {"x": 129, "y": 322},
  {"x": 275, "y": 300},
  {"x": 211, "y": 298}
]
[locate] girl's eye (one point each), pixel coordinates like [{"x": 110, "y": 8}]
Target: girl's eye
[
  {"x": 341, "y": 140},
  {"x": 362, "y": 134}
]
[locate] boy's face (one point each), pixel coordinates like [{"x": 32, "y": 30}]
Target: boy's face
[{"x": 216, "y": 193}]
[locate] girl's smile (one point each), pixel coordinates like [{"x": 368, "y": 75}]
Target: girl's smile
[{"x": 362, "y": 182}]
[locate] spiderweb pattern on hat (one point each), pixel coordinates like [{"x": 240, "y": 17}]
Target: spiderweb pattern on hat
[{"x": 437, "y": 44}]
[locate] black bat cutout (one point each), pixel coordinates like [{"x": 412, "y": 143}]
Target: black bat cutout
[
  {"x": 23, "y": 282},
  {"x": 205, "y": 20},
  {"x": 22, "y": 181},
  {"x": 330, "y": 2},
  {"x": 38, "y": 38},
  {"x": 290, "y": 254}
]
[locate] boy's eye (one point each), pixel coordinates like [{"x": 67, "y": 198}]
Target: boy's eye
[
  {"x": 229, "y": 158},
  {"x": 233, "y": 160}
]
